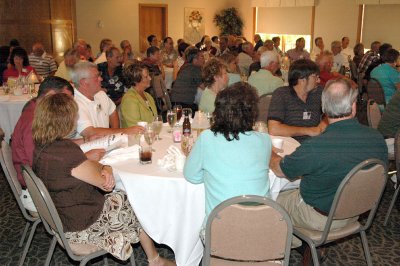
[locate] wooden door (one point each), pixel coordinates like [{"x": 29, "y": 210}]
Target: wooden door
[{"x": 152, "y": 20}]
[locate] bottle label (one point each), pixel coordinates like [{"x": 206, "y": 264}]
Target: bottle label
[{"x": 177, "y": 136}]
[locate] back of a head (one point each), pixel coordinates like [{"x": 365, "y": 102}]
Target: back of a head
[
  {"x": 390, "y": 56},
  {"x": 211, "y": 69},
  {"x": 54, "y": 118},
  {"x": 338, "y": 98},
  {"x": 14, "y": 43},
  {"x": 235, "y": 110},
  {"x": 54, "y": 83},
  {"x": 267, "y": 58},
  {"x": 191, "y": 53},
  {"x": 182, "y": 47},
  {"x": 384, "y": 47},
  {"x": 301, "y": 69},
  {"x": 81, "y": 70},
  {"x": 152, "y": 50}
]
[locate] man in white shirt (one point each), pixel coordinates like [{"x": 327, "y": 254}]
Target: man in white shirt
[
  {"x": 264, "y": 80},
  {"x": 246, "y": 58},
  {"x": 97, "y": 113},
  {"x": 317, "y": 49},
  {"x": 338, "y": 59},
  {"x": 346, "y": 49}
]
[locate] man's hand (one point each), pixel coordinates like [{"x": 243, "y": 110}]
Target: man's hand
[
  {"x": 109, "y": 182},
  {"x": 95, "y": 154},
  {"x": 134, "y": 130}
]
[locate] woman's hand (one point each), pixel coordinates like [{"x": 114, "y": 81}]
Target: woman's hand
[{"x": 107, "y": 174}]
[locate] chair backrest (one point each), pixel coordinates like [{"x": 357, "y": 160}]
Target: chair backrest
[
  {"x": 373, "y": 113},
  {"x": 259, "y": 232},
  {"x": 360, "y": 191},
  {"x": 397, "y": 153},
  {"x": 9, "y": 169},
  {"x": 375, "y": 91},
  {"x": 263, "y": 106},
  {"x": 45, "y": 206}
]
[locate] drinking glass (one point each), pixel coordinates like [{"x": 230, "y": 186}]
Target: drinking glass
[
  {"x": 157, "y": 126},
  {"x": 145, "y": 154},
  {"x": 178, "y": 111},
  {"x": 171, "y": 119},
  {"x": 187, "y": 144},
  {"x": 149, "y": 136},
  {"x": 260, "y": 126}
]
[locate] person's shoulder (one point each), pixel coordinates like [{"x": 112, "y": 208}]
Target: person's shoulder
[{"x": 281, "y": 91}]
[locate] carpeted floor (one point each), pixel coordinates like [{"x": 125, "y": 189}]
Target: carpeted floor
[{"x": 384, "y": 242}]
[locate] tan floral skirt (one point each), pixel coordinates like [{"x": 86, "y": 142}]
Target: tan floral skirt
[{"x": 115, "y": 230}]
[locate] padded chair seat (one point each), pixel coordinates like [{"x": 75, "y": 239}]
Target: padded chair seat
[{"x": 333, "y": 235}]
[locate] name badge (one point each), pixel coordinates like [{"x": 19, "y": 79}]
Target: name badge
[{"x": 306, "y": 115}]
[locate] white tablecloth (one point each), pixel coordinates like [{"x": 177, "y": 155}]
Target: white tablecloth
[
  {"x": 170, "y": 209},
  {"x": 10, "y": 111}
]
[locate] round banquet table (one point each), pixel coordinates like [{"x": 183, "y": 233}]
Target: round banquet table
[{"x": 170, "y": 209}]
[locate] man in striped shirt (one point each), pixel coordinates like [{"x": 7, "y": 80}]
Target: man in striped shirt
[{"x": 43, "y": 63}]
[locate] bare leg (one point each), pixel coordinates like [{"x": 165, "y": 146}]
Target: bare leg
[{"x": 151, "y": 252}]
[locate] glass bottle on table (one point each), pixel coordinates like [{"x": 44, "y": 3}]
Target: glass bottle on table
[{"x": 186, "y": 126}]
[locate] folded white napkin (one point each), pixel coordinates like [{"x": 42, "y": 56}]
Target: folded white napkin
[
  {"x": 174, "y": 160},
  {"x": 121, "y": 154}
]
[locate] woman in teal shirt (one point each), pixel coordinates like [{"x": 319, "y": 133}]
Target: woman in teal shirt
[
  {"x": 137, "y": 105},
  {"x": 231, "y": 159}
]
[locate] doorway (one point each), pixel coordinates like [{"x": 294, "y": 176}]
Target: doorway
[{"x": 153, "y": 19}]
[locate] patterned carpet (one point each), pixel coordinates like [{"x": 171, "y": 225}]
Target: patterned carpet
[{"x": 384, "y": 242}]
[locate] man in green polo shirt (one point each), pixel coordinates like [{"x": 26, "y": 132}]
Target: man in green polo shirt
[{"x": 323, "y": 161}]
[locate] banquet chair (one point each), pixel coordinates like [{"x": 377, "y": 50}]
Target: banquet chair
[
  {"x": 375, "y": 92},
  {"x": 52, "y": 222},
  {"x": 248, "y": 230},
  {"x": 373, "y": 113},
  {"x": 32, "y": 218},
  {"x": 359, "y": 192},
  {"x": 263, "y": 106},
  {"x": 397, "y": 163}
]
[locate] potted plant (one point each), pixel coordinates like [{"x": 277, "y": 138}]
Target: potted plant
[{"x": 229, "y": 22}]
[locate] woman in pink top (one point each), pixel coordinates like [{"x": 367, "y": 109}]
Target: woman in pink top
[{"x": 19, "y": 64}]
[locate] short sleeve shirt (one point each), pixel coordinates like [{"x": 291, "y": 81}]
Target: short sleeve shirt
[
  {"x": 114, "y": 85},
  {"x": 323, "y": 161},
  {"x": 93, "y": 113},
  {"x": 78, "y": 203},
  {"x": 287, "y": 108}
]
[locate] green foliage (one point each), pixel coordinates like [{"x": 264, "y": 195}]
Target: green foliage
[{"x": 229, "y": 22}]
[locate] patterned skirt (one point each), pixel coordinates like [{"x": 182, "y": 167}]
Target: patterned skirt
[{"x": 115, "y": 230}]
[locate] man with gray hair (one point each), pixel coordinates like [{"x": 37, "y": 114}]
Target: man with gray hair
[
  {"x": 339, "y": 60},
  {"x": 264, "y": 80},
  {"x": 323, "y": 161},
  {"x": 97, "y": 112}
]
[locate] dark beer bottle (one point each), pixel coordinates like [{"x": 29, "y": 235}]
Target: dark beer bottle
[{"x": 186, "y": 127}]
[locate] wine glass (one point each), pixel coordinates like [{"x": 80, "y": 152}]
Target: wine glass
[
  {"x": 149, "y": 135},
  {"x": 171, "y": 118},
  {"x": 157, "y": 126},
  {"x": 178, "y": 111}
]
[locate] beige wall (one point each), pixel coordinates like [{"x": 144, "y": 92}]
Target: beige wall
[
  {"x": 120, "y": 18},
  {"x": 335, "y": 19}
]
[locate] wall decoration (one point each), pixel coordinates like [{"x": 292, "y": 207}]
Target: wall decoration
[
  {"x": 229, "y": 22},
  {"x": 194, "y": 25}
]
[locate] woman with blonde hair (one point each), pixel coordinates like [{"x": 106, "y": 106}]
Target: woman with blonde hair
[
  {"x": 231, "y": 62},
  {"x": 88, "y": 215}
]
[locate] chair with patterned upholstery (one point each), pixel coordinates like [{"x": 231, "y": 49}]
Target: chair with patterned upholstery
[
  {"x": 52, "y": 222},
  {"x": 31, "y": 217},
  {"x": 248, "y": 230},
  {"x": 359, "y": 192}
]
